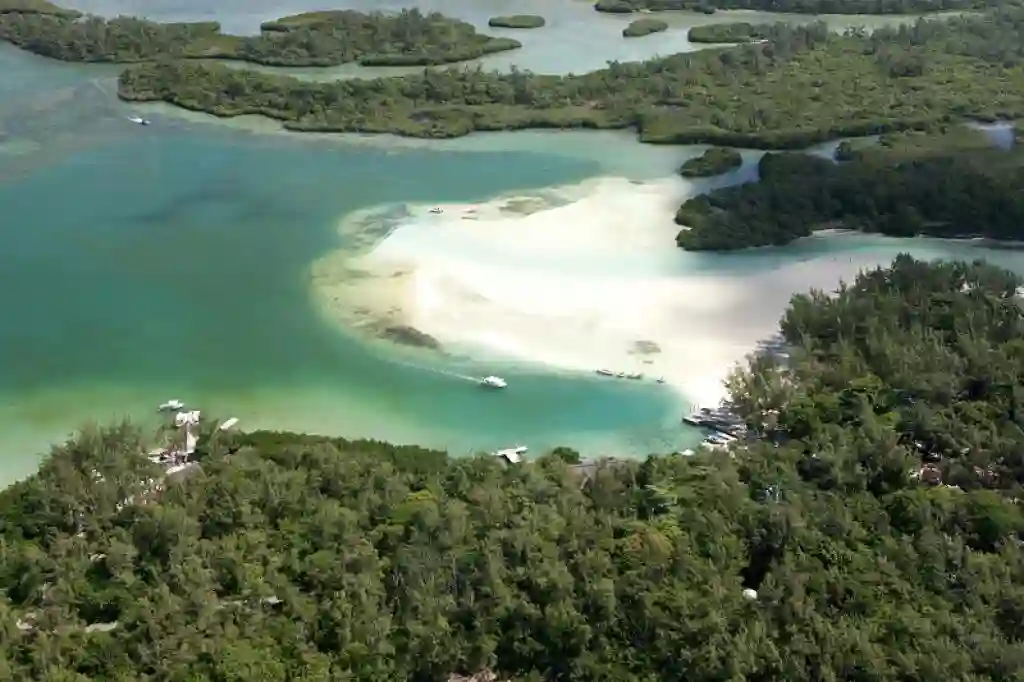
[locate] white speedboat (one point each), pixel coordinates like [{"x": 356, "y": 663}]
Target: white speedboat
[
  {"x": 606, "y": 372},
  {"x": 437, "y": 210},
  {"x": 660, "y": 380},
  {"x": 493, "y": 382},
  {"x": 139, "y": 120},
  {"x": 513, "y": 455},
  {"x": 172, "y": 404}
]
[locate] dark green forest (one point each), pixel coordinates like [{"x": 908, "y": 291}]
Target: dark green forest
[
  {"x": 956, "y": 184},
  {"x": 517, "y": 21},
  {"x": 799, "y": 6},
  {"x": 805, "y": 85},
  {"x": 713, "y": 161},
  {"x": 738, "y": 32},
  {"x": 875, "y": 515},
  {"x": 644, "y": 27},
  {"x": 311, "y": 39}
]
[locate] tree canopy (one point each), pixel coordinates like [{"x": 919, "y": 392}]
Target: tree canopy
[
  {"x": 951, "y": 184},
  {"x": 797, "y": 6},
  {"x": 803, "y": 86},
  {"x": 326, "y": 38},
  {"x": 644, "y": 27},
  {"x": 713, "y": 161},
  {"x": 291, "y": 557}
]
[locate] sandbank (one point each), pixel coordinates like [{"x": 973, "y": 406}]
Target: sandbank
[{"x": 578, "y": 278}]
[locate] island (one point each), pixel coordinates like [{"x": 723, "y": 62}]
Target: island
[
  {"x": 328, "y": 38},
  {"x": 953, "y": 184},
  {"x": 738, "y": 32},
  {"x": 714, "y": 161},
  {"x": 643, "y": 27},
  {"x": 517, "y": 21},
  {"x": 795, "y": 6},
  {"x": 36, "y": 7},
  {"x": 805, "y": 86},
  {"x": 871, "y": 512}
]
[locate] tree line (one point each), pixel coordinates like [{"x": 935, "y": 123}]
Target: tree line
[
  {"x": 804, "y": 85},
  {"x": 956, "y": 184},
  {"x": 327, "y": 38},
  {"x": 291, "y": 557},
  {"x": 798, "y": 6}
]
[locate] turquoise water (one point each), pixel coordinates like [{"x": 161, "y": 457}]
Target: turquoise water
[
  {"x": 140, "y": 264},
  {"x": 171, "y": 261}
]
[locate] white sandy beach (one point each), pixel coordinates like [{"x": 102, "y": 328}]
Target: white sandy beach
[{"x": 579, "y": 278}]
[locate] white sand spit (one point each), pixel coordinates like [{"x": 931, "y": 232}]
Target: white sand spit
[{"x": 579, "y": 278}]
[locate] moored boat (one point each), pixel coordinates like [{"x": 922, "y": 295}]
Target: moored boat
[{"x": 493, "y": 382}]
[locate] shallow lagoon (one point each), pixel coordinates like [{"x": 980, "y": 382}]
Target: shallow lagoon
[{"x": 141, "y": 264}]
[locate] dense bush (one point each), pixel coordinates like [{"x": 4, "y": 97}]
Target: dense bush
[
  {"x": 311, "y": 39},
  {"x": 804, "y": 86},
  {"x": 293, "y": 557},
  {"x": 946, "y": 185}
]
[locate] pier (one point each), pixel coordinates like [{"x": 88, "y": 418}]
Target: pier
[{"x": 724, "y": 425}]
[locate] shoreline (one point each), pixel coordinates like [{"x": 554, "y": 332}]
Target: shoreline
[{"x": 553, "y": 278}]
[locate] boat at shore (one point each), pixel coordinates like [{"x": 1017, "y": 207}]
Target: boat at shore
[
  {"x": 493, "y": 382},
  {"x": 512, "y": 455},
  {"x": 437, "y": 210},
  {"x": 171, "y": 405},
  {"x": 635, "y": 376}
]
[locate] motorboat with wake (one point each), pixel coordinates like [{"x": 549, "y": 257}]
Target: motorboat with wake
[
  {"x": 493, "y": 382},
  {"x": 139, "y": 120}
]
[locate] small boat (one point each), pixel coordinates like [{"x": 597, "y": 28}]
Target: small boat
[
  {"x": 170, "y": 405},
  {"x": 620, "y": 375},
  {"x": 606, "y": 372},
  {"x": 660, "y": 380},
  {"x": 635, "y": 376},
  {"x": 139, "y": 120},
  {"x": 493, "y": 382},
  {"x": 228, "y": 424},
  {"x": 437, "y": 210},
  {"x": 513, "y": 455}
]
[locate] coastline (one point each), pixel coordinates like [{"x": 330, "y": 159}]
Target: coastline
[{"x": 574, "y": 279}]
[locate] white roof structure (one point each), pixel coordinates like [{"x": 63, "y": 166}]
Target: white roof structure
[{"x": 184, "y": 418}]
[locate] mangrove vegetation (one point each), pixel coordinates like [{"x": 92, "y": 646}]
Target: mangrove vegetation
[
  {"x": 956, "y": 184},
  {"x": 35, "y": 7},
  {"x": 713, "y": 161},
  {"x": 327, "y": 38},
  {"x": 871, "y": 531},
  {"x": 804, "y": 85},
  {"x": 799, "y": 6},
  {"x": 738, "y": 32},
  {"x": 644, "y": 27},
  {"x": 517, "y": 21}
]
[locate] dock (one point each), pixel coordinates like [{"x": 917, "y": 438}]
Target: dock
[{"x": 725, "y": 427}]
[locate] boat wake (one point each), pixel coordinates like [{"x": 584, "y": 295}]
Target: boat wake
[{"x": 436, "y": 370}]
